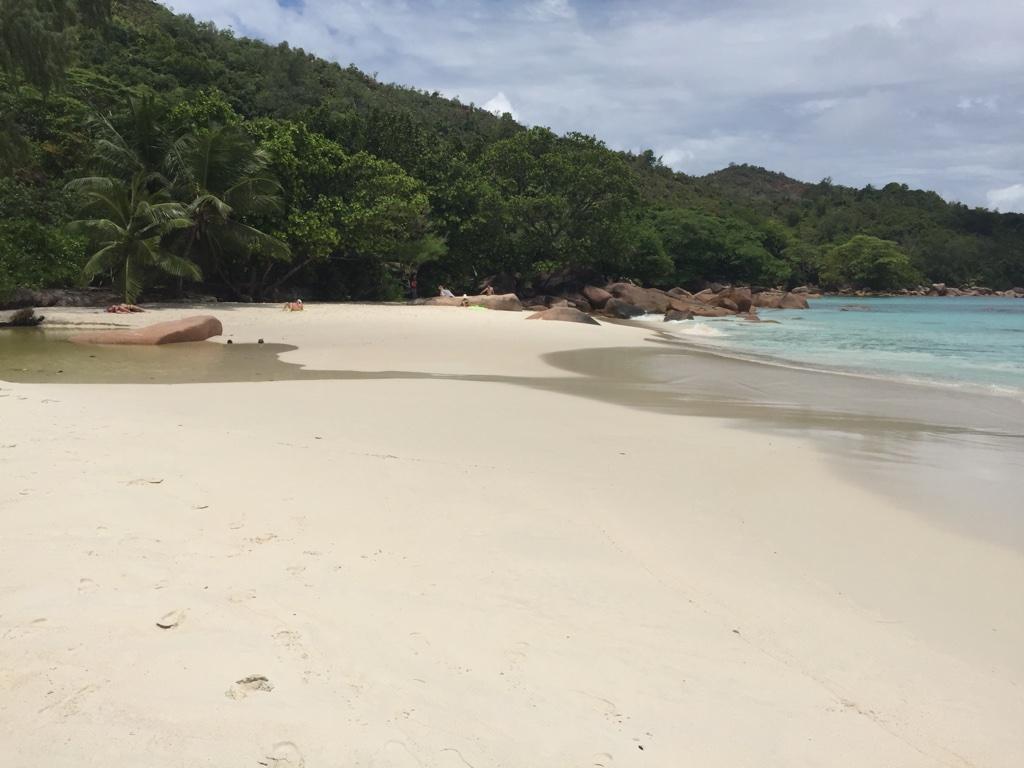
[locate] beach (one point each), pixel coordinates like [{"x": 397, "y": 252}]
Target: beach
[{"x": 432, "y": 536}]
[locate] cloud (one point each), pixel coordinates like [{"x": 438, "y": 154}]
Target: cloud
[
  {"x": 543, "y": 10},
  {"x": 1009, "y": 198},
  {"x": 926, "y": 92},
  {"x": 499, "y": 105}
]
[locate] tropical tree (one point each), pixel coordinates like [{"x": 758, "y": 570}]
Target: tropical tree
[
  {"x": 568, "y": 201},
  {"x": 223, "y": 181},
  {"x": 868, "y": 262},
  {"x": 126, "y": 227}
]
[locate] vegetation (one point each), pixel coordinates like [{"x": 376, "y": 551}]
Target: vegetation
[{"x": 262, "y": 171}]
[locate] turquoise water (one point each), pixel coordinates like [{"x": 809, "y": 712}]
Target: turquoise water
[{"x": 971, "y": 342}]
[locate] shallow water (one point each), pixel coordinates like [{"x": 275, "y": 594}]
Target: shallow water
[{"x": 967, "y": 342}]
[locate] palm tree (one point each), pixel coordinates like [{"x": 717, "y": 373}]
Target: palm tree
[
  {"x": 127, "y": 229},
  {"x": 223, "y": 177}
]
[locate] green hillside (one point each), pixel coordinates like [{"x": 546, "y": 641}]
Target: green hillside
[{"x": 160, "y": 155}]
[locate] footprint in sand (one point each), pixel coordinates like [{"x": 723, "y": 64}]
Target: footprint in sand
[
  {"x": 171, "y": 620},
  {"x": 242, "y": 688},
  {"x": 284, "y": 754},
  {"x": 87, "y": 586}
]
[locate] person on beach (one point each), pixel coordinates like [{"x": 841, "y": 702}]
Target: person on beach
[
  {"x": 445, "y": 293},
  {"x": 487, "y": 291},
  {"x": 293, "y": 306}
]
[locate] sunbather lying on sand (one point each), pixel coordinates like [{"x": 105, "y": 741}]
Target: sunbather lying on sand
[
  {"x": 123, "y": 309},
  {"x": 293, "y": 306}
]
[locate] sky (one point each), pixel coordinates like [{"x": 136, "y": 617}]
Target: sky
[{"x": 929, "y": 93}]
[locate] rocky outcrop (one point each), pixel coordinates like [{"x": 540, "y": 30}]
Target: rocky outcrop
[
  {"x": 597, "y": 297},
  {"x": 697, "y": 308},
  {"x": 680, "y": 293},
  {"x": 196, "y": 328},
  {"x": 648, "y": 299},
  {"x": 508, "y": 302},
  {"x": 780, "y": 300},
  {"x": 564, "y": 314},
  {"x": 794, "y": 301},
  {"x": 623, "y": 310},
  {"x": 57, "y": 297},
  {"x": 676, "y": 315},
  {"x": 20, "y": 318},
  {"x": 741, "y": 297}
]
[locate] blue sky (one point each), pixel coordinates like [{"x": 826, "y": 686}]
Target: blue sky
[{"x": 925, "y": 92}]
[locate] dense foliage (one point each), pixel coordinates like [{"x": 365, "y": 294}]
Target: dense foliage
[{"x": 194, "y": 160}]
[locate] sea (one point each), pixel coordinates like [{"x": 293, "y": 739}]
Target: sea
[{"x": 967, "y": 342}]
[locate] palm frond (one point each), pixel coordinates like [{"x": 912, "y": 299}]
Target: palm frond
[
  {"x": 209, "y": 202},
  {"x": 258, "y": 241},
  {"x": 104, "y": 260},
  {"x": 96, "y": 229},
  {"x": 174, "y": 265}
]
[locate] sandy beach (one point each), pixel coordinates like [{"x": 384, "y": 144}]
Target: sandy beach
[{"x": 419, "y": 551}]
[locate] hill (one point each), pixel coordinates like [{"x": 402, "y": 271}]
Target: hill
[{"x": 320, "y": 180}]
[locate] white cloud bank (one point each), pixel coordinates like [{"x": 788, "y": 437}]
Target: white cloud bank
[
  {"x": 926, "y": 92},
  {"x": 1009, "y": 198},
  {"x": 499, "y": 105}
]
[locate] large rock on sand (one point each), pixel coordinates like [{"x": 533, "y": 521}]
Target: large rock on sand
[
  {"x": 648, "y": 299},
  {"x": 196, "y": 328},
  {"x": 597, "y": 297},
  {"x": 622, "y": 309},
  {"x": 504, "y": 301},
  {"x": 565, "y": 314}
]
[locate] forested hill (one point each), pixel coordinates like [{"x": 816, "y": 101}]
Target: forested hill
[{"x": 158, "y": 154}]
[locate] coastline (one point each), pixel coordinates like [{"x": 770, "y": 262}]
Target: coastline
[{"x": 426, "y": 511}]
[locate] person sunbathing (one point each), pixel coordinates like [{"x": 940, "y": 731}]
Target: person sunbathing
[
  {"x": 123, "y": 309},
  {"x": 293, "y": 306}
]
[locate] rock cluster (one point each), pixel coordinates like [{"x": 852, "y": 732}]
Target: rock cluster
[
  {"x": 57, "y": 297},
  {"x": 503, "y": 301},
  {"x": 626, "y": 300}
]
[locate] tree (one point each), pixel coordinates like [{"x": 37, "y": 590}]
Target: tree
[
  {"x": 868, "y": 262},
  {"x": 222, "y": 178},
  {"x": 569, "y": 202},
  {"x": 347, "y": 207},
  {"x": 126, "y": 229},
  {"x": 34, "y": 40},
  {"x": 707, "y": 247}
]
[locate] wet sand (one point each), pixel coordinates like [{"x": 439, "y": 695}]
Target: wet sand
[{"x": 426, "y": 536}]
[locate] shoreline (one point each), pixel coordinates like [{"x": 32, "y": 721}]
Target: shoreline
[
  {"x": 432, "y": 510},
  {"x": 723, "y": 351}
]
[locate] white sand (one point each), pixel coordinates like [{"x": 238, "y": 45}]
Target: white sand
[{"x": 435, "y": 572}]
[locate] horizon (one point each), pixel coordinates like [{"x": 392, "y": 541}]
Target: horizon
[{"x": 811, "y": 90}]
